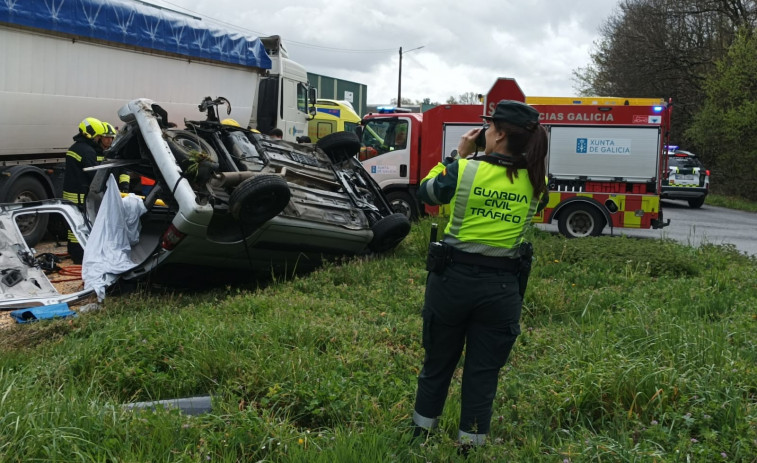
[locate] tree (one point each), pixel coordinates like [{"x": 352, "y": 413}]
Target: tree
[
  {"x": 465, "y": 98},
  {"x": 724, "y": 129},
  {"x": 405, "y": 101},
  {"x": 663, "y": 48},
  {"x": 427, "y": 102},
  {"x": 469, "y": 98}
]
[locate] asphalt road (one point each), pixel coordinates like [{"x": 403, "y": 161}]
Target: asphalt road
[{"x": 709, "y": 224}]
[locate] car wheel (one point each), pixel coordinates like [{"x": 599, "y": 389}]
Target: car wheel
[
  {"x": 580, "y": 220},
  {"x": 184, "y": 143},
  {"x": 403, "y": 203},
  {"x": 389, "y": 232},
  {"x": 259, "y": 199},
  {"x": 32, "y": 226},
  {"x": 339, "y": 146},
  {"x": 696, "y": 203}
]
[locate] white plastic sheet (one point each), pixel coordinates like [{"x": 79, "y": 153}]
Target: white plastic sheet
[{"x": 108, "y": 250}]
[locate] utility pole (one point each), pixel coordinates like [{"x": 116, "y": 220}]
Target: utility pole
[{"x": 399, "y": 81}]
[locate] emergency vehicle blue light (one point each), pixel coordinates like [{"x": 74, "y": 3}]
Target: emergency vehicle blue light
[
  {"x": 385, "y": 109},
  {"x": 657, "y": 109}
]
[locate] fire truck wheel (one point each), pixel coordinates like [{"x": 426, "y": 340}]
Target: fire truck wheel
[
  {"x": 259, "y": 199},
  {"x": 403, "y": 203},
  {"x": 389, "y": 232},
  {"x": 696, "y": 203},
  {"x": 339, "y": 146},
  {"x": 32, "y": 226},
  {"x": 580, "y": 220}
]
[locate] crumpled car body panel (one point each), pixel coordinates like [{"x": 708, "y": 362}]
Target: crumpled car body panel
[{"x": 32, "y": 287}]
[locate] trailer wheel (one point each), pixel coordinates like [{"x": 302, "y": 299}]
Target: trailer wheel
[
  {"x": 580, "y": 220},
  {"x": 389, "y": 232},
  {"x": 32, "y": 226},
  {"x": 339, "y": 146},
  {"x": 403, "y": 203},
  {"x": 259, "y": 199}
]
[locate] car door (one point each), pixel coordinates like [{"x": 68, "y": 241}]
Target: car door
[{"x": 23, "y": 281}]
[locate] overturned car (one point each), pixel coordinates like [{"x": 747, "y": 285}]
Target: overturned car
[{"x": 224, "y": 197}]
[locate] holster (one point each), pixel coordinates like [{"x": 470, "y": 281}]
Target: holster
[
  {"x": 438, "y": 256},
  {"x": 526, "y": 252}
]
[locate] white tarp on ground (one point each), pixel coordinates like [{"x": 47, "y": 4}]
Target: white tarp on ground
[{"x": 108, "y": 250}]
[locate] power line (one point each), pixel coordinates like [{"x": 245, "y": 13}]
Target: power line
[{"x": 287, "y": 41}]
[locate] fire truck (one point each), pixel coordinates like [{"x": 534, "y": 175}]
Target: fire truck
[{"x": 605, "y": 162}]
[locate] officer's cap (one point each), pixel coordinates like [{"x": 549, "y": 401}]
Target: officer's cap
[{"x": 515, "y": 113}]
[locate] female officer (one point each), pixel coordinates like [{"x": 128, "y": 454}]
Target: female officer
[{"x": 474, "y": 300}]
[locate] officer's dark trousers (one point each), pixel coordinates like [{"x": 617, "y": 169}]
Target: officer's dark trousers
[{"x": 471, "y": 306}]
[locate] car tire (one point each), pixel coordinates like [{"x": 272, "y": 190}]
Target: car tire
[
  {"x": 403, "y": 203},
  {"x": 32, "y": 226},
  {"x": 580, "y": 220},
  {"x": 339, "y": 146},
  {"x": 183, "y": 142},
  {"x": 389, "y": 232},
  {"x": 259, "y": 199},
  {"x": 696, "y": 203}
]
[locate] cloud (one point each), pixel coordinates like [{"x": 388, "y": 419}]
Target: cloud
[{"x": 466, "y": 44}]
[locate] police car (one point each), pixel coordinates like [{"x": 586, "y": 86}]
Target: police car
[{"x": 687, "y": 180}]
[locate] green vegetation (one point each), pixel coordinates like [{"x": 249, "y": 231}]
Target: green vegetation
[
  {"x": 723, "y": 129},
  {"x": 731, "y": 202},
  {"x": 632, "y": 350},
  {"x": 703, "y": 55}
]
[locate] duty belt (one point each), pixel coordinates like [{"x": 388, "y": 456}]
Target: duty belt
[{"x": 500, "y": 263}]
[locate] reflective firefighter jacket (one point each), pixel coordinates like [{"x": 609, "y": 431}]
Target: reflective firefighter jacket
[{"x": 83, "y": 153}]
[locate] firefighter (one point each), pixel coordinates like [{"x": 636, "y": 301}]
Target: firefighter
[
  {"x": 477, "y": 272},
  {"x": 124, "y": 177},
  {"x": 93, "y": 138}
]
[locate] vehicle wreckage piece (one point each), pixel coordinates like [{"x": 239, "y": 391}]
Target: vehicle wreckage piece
[{"x": 224, "y": 198}]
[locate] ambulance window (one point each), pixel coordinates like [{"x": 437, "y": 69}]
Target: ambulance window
[
  {"x": 324, "y": 128},
  {"x": 350, "y": 127}
]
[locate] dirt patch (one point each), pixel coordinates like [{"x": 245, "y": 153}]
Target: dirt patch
[{"x": 66, "y": 280}]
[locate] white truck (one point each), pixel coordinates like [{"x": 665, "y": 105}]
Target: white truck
[{"x": 67, "y": 60}]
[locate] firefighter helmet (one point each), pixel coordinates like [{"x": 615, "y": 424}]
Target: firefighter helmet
[
  {"x": 91, "y": 127},
  {"x": 109, "y": 131},
  {"x": 230, "y": 121}
]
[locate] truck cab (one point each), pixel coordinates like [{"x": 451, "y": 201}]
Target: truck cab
[
  {"x": 390, "y": 147},
  {"x": 400, "y": 148},
  {"x": 285, "y": 99}
]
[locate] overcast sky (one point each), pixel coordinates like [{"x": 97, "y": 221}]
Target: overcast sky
[{"x": 466, "y": 44}]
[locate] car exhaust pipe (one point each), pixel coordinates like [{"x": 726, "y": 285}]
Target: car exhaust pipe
[{"x": 229, "y": 179}]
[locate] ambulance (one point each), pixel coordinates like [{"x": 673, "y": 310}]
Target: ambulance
[{"x": 332, "y": 116}]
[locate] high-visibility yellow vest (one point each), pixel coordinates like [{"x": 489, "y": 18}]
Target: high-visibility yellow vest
[{"x": 489, "y": 214}]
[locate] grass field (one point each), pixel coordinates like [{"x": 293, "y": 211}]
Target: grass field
[
  {"x": 731, "y": 202},
  {"x": 632, "y": 351}
]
